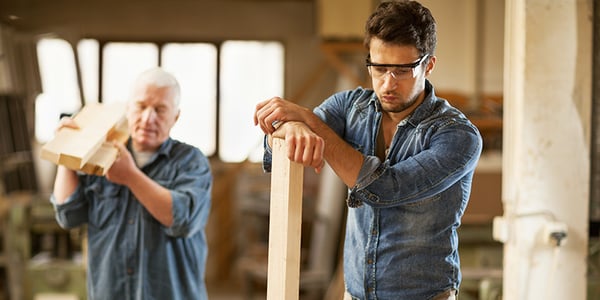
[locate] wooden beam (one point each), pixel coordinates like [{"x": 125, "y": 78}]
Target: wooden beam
[
  {"x": 333, "y": 52},
  {"x": 285, "y": 221},
  {"x": 89, "y": 148}
]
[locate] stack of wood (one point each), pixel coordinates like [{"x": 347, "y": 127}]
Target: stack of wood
[{"x": 90, "y": 148}]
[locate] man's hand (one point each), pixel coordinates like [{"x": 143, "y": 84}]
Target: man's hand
[
  {"x": 66, "y": 122},
  {"x": 124, "y": 167},
  {"x": 304, "y": 146},
  {"x": 309, "y": 140},
  {"x": 278, "y": 110}
]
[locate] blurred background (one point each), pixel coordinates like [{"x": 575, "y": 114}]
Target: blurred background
[{"x": 525, "y": 64}]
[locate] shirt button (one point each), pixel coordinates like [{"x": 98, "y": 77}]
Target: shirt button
[
  {"x": 370, "y": 261},
  {"x": 374, "y": 232},
  {"x": 129, "y": 271},
  {"x": 130, "y": 221}
]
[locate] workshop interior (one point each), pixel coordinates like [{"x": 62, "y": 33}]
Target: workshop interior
[{"x": 525, "y": 72}]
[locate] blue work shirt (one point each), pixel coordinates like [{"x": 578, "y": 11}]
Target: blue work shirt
[
  {"x": 130, "y": 254},
  {"x": 401, "y": 240}
]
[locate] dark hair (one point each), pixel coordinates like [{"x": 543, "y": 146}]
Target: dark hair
[{"x": 402, "y": 22}]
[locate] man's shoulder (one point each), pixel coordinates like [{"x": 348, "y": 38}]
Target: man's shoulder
[
  {"x": 180, "y": 150},
  {"x": 359, "y": 95}
]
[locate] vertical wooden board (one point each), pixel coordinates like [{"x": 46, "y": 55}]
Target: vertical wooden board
[{"x": 285, "y": 220}]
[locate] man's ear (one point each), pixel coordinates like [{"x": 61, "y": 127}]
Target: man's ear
[{"x": 430, "y": 65}]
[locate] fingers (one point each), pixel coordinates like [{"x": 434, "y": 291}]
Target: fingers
[
  {"x": 270, "y": 113},
  {"x": 66, "y": 122},
  {"x": 123, "y": 166},
  {"x": 318, "y": 158},
  {"x": 320, "y": 168},
  {"x": 119, "y": 147},
  {"x": 258, "y": 107},
  {"x": 263, "y": 114},
  {"x": 283, "y": 119},
  {"x": 306, "y": 150}
]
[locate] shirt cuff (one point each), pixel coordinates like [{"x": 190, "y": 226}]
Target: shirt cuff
[
  {"x": 371, "y": 170},
  {"x": 267, "y": 156},
  {"x": 55, "y": 202}
]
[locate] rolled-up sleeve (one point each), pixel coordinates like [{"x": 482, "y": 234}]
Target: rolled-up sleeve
[
  {"x": 73, "y": 212},
  {"x": 450, "y": 154},
  {"x": 191, "y": 195}
]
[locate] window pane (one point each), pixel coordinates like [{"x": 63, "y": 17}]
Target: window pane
[
  {"x": 88, "y": 51},
  {"x": 59, "y": 85},
  {"x": 122, "y": 63},
  {"x": 195, "y": 66},
  {"x": 250, "y": 72}
]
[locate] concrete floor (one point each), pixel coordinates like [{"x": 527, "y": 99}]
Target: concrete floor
[
  {"x": 219, "y": 292},
  {"x": 230, "y": 292}
]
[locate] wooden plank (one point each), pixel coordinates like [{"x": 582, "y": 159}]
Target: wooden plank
[
  {"x": 285, "y": 221},
  {"x": 102, "y": 159},
  {"x": 87, "y": 148}
]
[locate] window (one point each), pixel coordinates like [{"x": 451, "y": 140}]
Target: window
[
  {"x": 122, "y": 62},
  {"x": 88, "y": 51},
  {"x": 251, "y": 72},
  {"x": 195, "y": 66},
  {"x": 60, "y": 92}
]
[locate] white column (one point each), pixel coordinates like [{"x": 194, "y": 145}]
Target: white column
[{"x": 547, "y": 92}]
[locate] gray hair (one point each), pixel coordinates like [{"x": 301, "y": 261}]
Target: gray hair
[{"x": 159, "y": 77}]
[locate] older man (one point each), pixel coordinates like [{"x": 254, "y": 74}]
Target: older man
[{"x": 146, "y": 217}]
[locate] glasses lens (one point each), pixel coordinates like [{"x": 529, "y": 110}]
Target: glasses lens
[
  {"x": 397, "y": 73},
  {"x": 378, "y": 72}
]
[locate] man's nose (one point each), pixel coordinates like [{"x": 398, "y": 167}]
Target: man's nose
[
  {"x": 389, "y": 79},
  {"x": 148, "y": 115}
]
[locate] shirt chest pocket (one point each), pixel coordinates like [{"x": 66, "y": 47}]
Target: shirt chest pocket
[{"x": 107, "y": 206}]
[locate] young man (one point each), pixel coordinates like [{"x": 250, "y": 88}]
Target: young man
[
  {"x": 407, "y": 157},
  {"x": 146, "y": 217}
]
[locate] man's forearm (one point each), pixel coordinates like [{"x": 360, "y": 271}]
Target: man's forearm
[
  {"x": 154, "y": 197},
  {"x": 65, "y": 183},
  {"x": 343, "y": 159}
]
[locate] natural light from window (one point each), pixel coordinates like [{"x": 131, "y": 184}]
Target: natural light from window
[
  {"x": 88, "y": 51},
  {"x": 250, "y": 72},
  {"x": 122, "y": 63},
  {"x": 60, "y": 93},
  {"x": 195, "y": 66}
]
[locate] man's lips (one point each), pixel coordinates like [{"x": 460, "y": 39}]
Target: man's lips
[
  {"x": 145, "y": 131},
  {"x": 389, "y": 98}
]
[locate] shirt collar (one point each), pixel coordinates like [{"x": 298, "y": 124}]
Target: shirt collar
[
  {"x": 164, "y": 149},
  {"x": 426, "y": 108}
]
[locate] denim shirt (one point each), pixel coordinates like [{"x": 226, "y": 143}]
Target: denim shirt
[
  {"x": 130, "y": 254},
  {"x": 401, "y": 240}
]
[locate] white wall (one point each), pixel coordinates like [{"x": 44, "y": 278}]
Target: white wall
[{"x": 459, "y": 41}]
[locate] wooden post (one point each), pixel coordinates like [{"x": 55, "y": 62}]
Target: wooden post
[{"x": 285, "y": 221}]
